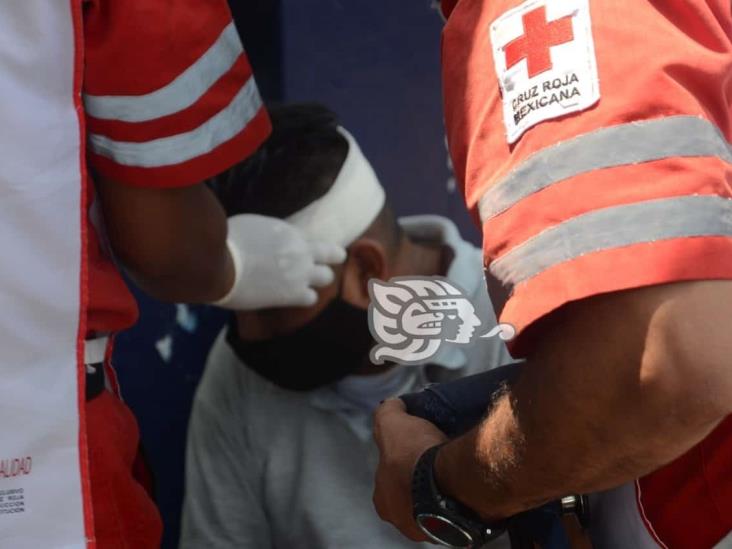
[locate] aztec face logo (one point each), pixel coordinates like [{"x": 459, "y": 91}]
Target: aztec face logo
[{"x": 412, "y": 317}]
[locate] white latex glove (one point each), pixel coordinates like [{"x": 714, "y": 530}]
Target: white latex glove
[{"x": 275, "y": 264}]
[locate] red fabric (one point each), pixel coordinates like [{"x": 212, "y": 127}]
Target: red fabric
[
  {"x": 601, "y": 189},
  {"x": 196, "y": 170},
  {"x": 688, "y": 501},
  {"x": 636, "y": 265},
  {"x": 685, "y": 69},
  {"x": 447, "y": 6},
  {"x": 128, "y": 56},
  {"x": 124, "y": 515},
  {"x": 217, "y": 97},
  {"x": 134, "y": 48},
  {"x": 77, "y": 17}
]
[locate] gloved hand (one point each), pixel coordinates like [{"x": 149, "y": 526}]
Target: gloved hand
[{"x": 275, "y": 264}]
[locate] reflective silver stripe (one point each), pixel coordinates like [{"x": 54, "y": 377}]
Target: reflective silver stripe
[
  {"x": 643, "y": 222},
  {"x": 180, "y": 94},
  {"x": 185, "y": 146},
  {"x": 633, "y": 143},
  {"x": 95, "y": 350}
]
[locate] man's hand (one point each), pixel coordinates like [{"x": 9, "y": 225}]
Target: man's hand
[
  {"x": 276, "y": 264},
  {"x": 173, "y": 243},
  {"x": 401, "y": 439}
]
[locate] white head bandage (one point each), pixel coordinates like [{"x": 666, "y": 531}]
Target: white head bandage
[{"x": 351, "y": 204}]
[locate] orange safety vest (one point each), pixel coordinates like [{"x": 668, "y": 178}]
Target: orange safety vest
[{"x": 592, "y": 140}]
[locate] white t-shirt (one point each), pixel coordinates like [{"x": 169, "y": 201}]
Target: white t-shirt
[{"x": 268, "y": 467}]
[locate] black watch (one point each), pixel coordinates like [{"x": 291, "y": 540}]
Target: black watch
[{"x": 444, "y": 520}]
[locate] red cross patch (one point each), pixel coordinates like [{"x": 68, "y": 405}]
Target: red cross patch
[
  {"x": 535, "y": 46},
  {"x": 545, "y": 61}
]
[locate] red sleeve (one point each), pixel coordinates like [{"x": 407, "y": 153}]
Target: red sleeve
[
  {"x": 169, "y": 95},
  {"x": 629, "y": 192}
]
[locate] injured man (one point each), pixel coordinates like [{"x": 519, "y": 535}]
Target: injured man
[{"x": 280, "y": 450}]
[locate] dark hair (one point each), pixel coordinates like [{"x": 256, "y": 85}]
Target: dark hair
[{"x": 297, "y": 164}]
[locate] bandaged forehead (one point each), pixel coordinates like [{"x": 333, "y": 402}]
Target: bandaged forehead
[{"x": 350, "y": 205}]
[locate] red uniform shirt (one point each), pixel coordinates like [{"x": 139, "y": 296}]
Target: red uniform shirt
[
  {"x": 170, "y": 100},
  {"x": 592, "y": 141}
]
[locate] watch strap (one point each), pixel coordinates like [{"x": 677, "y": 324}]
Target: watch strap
[{"x": 427, "y": 499}]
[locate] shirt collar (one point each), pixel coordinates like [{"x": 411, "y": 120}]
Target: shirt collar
[
  {"x": 465, "y": 270},
  {"x": 439, "y": 229},
  {"x": 355, "y": 398}
]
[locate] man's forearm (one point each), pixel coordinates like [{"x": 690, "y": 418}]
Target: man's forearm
[
  {"x": 579, "y": 420},
  {"x": 171, "y": 241},
  {"x": 505, "y": 466}
]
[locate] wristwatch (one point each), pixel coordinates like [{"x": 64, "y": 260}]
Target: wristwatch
[{"x": 444, "y": 520}]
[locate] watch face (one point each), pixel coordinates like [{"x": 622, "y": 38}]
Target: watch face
[{"x": 444, "y": 531}]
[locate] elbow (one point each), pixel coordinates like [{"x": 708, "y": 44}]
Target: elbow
[
  {"x": 160, "y": 285},
  {"x": 170, "y": 241},
  {"x": 183, "y": 283},
  {"x": 167, "y": 277},
  {"x": 178, "y": 270}
]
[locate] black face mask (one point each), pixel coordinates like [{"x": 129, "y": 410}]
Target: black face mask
[{"x": 330, "y": 347}]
